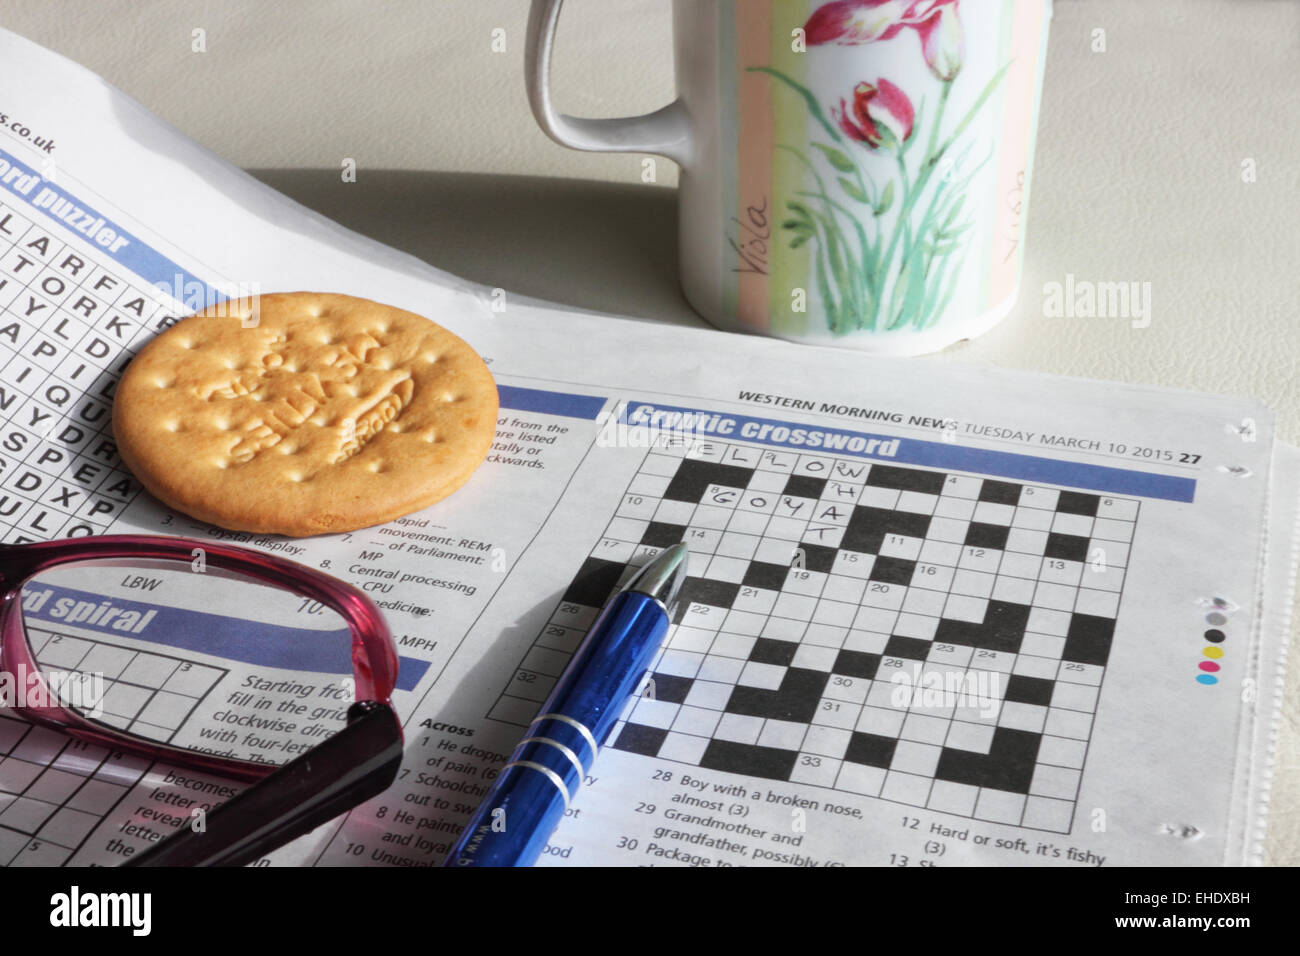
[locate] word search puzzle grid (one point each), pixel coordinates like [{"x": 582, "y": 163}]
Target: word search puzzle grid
[
  {"x": 828, "y": 594},
  {"x": 68, "y": 325}
]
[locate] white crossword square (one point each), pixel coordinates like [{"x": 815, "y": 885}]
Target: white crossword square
[
  {"x": 1058, "y": 782},
  {"x": 1032, "y": 519},
  {"x": 962, "y": 607},
  {"x": 838, "y": 613},
  {"x": 710, "y": 695},
  {"x": 885, "y": 722},
  {"x": 842, "y": 588},
  {"x": 962, "y": 486},
  {"x": 739, "y": 728},
  {"x": 1058, "y": 597},
  {"x": 1013, "y": 590},
  {"x": 989, "y": 512},
  {"x": 920, "y": 626},
  {"x": 690, "y": 639},
  {"x": 738, "y": 646},
  {"x": 674, "y": 512},
  {"x": 686, "y": 748},
  {"x": 814, "y": 658},
  {"x": 824, "y": 635},
  {"x": 1066, "y": 523},
  {"x": 1048, "y": 621},
  {"x": 1097, "y": 603},
  {"x": 951, "y": 530},
  {"x": 1106, "y": 529},
  {"x": 696, "y": 720},
  {"x": 747, "y": 523},
  {"x": 918, "y": 758},
  {"x": 1125, "y": 509},
  {"x": 973, "y": 583},
  {"x": 1062, "y": 752},
  {"x": 826, "y": 741},
  {"x": 873, "y": 497},
  {"x": 999, "y": 806},
  {"x": 917, "y": 502},
  {"x": 1026, "y": 540},
  {"x": 959, "y": 508},
  {"x": 782, "y": 734},
  {"x": 922, "y": 601}
]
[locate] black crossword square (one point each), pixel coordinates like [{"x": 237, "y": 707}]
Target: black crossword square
[
  {"x": 1066, "y": 547},
  {"x": 980, "y": 535},
  {"x": 892, "y": 570},
  {"x": 802, "y": 486},
  {"x": 660, "y": 535},
  {"x": 670, "y": 688},
  {"x": 856, "y": 664},
  {"x": 594, "y": 582},
  {"x": 866, "y": 530},
  {"x": 637, "y": 739},
  {"x": 795, "y": 700},
  {"x": 707, "y": 591},
  {"x": 769, "y": 763},
  {"x": 910, "y": 648},
  {"x": 870, "y": 749},
  {"x": 1074, "y": 503},
  {"x": 817, "y": 557},
  {"x": 909, "y": 523},
  {"x": 1000, "y": 492},
  {"x": 1029, "y": 690},
  {"x": 1087, "y": 639},
  {"x": 768, "y": 651},
  {"x": 694, "y": 476},
  {"x": 906, "y": 479},
  {"x": 760, "y": 574}
]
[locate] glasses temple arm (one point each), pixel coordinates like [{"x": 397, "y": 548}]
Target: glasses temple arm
[{"x": 357, "y": 763}]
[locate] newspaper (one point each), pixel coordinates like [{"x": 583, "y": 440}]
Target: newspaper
[{"x": 936, "y": 615}]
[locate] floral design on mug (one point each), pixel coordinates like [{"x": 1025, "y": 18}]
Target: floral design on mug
[
  {"x": 877, "y": 111},
  {"x": 875, "y": 271},
  {"x": 854, "y": 22}
]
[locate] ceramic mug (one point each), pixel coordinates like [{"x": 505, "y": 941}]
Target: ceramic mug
[{"x": 853, "y": 172}]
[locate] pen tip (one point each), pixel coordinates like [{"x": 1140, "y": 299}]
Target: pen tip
[{"x": 661, "y": 578}]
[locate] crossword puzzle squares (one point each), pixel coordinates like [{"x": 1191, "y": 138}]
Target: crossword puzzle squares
[{"x": 818, "y": 584}]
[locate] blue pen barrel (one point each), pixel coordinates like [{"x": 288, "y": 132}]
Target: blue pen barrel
[{"x": 515, "y": 821}]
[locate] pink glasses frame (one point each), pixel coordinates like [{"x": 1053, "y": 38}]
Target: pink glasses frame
[{"x": 374, "y": 655}]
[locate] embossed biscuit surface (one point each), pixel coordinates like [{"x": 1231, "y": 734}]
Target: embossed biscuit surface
[{"x": 332, "y": 413}]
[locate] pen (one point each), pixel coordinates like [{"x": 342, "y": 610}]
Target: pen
[{"x": 521, "y": 811}]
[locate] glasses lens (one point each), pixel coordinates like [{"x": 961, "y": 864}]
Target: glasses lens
[{"x": 176, "y": 653}]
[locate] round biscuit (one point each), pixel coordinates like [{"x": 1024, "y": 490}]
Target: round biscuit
[{"x": 304, "y": 413}]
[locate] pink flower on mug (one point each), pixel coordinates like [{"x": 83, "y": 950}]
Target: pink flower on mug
[
  {"x": 877, "y": 113},
  {"x": 941, "y": 41},
  {"x": 854, "y": 22}
]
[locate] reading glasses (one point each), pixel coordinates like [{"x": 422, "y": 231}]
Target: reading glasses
[{"x": 214, "y": 659}]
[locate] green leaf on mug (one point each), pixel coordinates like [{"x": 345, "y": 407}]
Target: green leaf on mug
[
  {"x": 800, "y": 239},
  {"x": 853, "y": 189},
  {"x": 837, "y": 158},
  {"x": 886, "y": 199}
]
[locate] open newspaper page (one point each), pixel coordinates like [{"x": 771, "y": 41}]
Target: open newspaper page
[{"x": 936, "y": 615}]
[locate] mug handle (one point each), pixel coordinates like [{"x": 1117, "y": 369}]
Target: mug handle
[{"x": 665, "y": 132}]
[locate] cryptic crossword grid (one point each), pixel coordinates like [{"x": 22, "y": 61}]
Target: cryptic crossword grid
[{"x": 827, "y": 594}]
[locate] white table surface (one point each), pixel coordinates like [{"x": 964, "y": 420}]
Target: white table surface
[{"x": 1138, "y": 174}]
